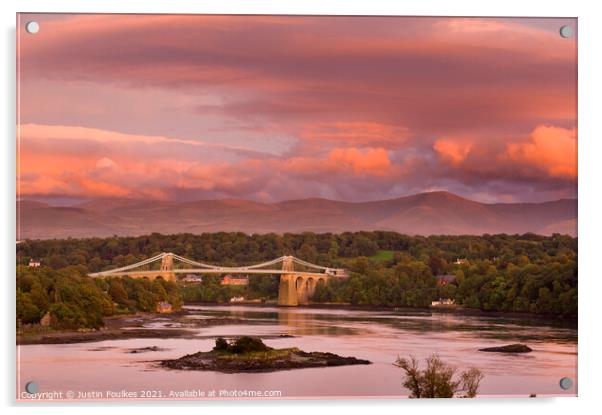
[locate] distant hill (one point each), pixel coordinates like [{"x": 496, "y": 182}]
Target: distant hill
[{"x": 420, "y": 214}]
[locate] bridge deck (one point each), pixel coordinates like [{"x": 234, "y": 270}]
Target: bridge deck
[{"x": 214, "y": 271}]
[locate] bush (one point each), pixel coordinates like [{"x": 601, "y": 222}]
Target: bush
[
  {"x": 221, "y": 345},
  {"x": 241, "y": 345},
  {"x": 437, "y": 380},
  {"x": 248, "y": 344}
]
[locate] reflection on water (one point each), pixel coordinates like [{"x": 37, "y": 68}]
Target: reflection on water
[{"x": 379, "y": 336}]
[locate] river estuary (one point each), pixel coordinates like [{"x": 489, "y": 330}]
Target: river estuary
[{"x": 91, "y": 370}]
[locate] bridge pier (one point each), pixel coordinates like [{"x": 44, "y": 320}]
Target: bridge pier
[
  {"x": 297, "y": 289},
  {"x": 311, "y": 287},
  {"x": 301, "y": 288},
  {"x": 287, "y": 290}
]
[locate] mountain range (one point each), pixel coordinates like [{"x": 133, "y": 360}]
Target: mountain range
[{"x": 421, "y": 214}]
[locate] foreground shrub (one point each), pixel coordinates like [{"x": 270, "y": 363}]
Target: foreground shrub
[{"x": 437, "y": 379}]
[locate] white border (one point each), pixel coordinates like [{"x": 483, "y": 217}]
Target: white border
[{"x": 590, "y": 175}]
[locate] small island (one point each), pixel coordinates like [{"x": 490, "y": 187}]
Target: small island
[{"x": 250, "y": 354}]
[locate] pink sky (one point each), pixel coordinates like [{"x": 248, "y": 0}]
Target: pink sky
[{"x": 274, "y": 107}]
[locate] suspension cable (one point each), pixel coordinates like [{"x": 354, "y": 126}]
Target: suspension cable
[{"x": 212, "y": 267}]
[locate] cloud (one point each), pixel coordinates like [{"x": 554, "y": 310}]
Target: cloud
[
  {"x": 453, "y": 150},
  {"x": 356, "y": 133},
  {"x": 274, "y": 107},
  {"x": 75, "y": 133},
  {"x": 552, "y": 149},
  {"x": 374, "y": 161},
  {"x": 78, "y": 161},
  {"x": 120, "y": 166},
  {"x": 64, "y": 161},
  {"x": 105, "y": 163},
  {"x": 351, "y": 161},
  {"x": 324, "y": 70}
]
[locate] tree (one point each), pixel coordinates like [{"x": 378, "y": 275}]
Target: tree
[
  {"x": 438, "y": 265},
  {"x": 437, "y": 379},
  {"x": 27, "y": 311},
  {"x": 323, "y": 293},
  {"x": 308, "y": 252},
  {"x": 39, "y": 297},
  {"x": 361, "y": 265},
  {"x": 118, "y": 293},
  {"x": 57, "y": 261},
  {"x": 363, "y": 246},
  {"x": 159, "y": 291}
]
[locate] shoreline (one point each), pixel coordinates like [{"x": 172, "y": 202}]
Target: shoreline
[
  {"x": 429, "y": 309},
  {"x": 127, "y": 326},
  {"x": 131, "y": 326}
]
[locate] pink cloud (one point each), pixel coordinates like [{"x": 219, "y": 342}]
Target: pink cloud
[
  {"x": 120, "y": 167},
  {"x": 270, "y": 107},
  {"x": 412, "y": 75},
  {"x": 552, "y": 149},
  {"x": 356, "y": 133},
  {"x": 453, "y": 150},
  {"x": 114, "y": 170},
  {"x": 75, "y": 133},
  {"x": 351, "y": 161},
  {"x": 374, "y": 161}
]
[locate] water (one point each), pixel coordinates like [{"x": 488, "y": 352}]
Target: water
[{"x": 379, "y": 336}]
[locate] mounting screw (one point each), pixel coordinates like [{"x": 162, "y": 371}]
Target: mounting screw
[
  {"x": 566, "y": 31},
  {"x": 31, "y": 387},
  {"x": 32, "y": 27},
  {"x": 566, "y": 383}
]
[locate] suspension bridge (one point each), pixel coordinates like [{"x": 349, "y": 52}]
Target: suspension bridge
[{"x": 298, "y": 278}]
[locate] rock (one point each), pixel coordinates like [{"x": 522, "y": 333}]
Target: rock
[
  {"x": 510, "y": 348},
  {"x": 146, "y": 349}
]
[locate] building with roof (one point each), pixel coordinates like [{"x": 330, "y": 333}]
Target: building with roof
[{"x": 230, "y": 280}]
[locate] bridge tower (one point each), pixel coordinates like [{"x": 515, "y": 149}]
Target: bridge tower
[
  {"x": 287, "y": 292},
  {"x": 167, "y": 266}
]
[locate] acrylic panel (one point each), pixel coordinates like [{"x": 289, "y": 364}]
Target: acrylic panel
[{"x": 286, "y": 207}]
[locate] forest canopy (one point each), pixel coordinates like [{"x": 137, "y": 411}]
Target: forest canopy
[
  {"x": 524, "y": 273},
  {"x": 73, "y": 300}
]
